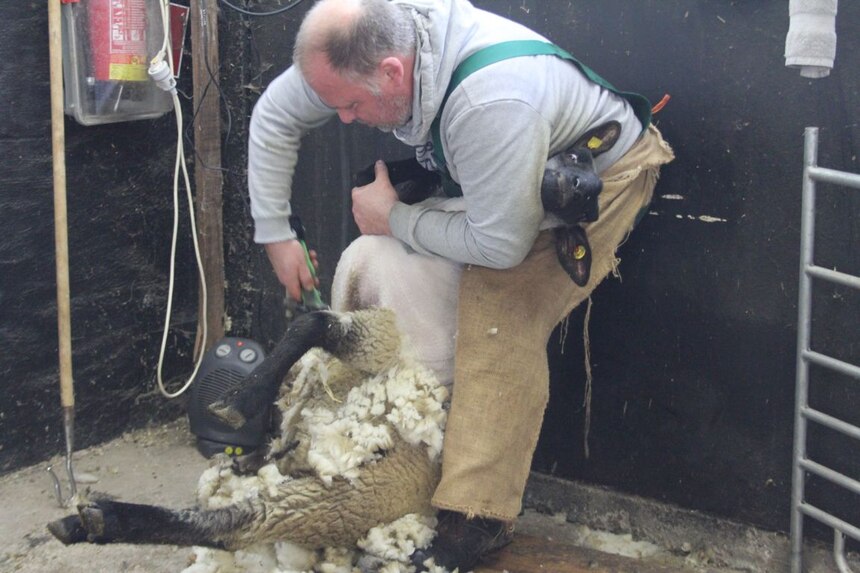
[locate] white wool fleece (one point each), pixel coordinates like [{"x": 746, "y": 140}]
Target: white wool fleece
[{"x": 345, "y": 437}]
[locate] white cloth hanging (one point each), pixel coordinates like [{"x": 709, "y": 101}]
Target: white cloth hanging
[{"x": 810, "y": 44}]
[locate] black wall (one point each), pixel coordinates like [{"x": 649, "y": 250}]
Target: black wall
[{"x": 692, "y": 352}]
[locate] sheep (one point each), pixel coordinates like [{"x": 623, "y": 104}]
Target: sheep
[{"x": 361, "y": 433}]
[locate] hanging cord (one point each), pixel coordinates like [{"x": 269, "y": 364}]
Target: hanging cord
[
  {"x": 161, "y": 70},
  {"x": 586, "y": 338},
  {"x": 280, "y": 10}
]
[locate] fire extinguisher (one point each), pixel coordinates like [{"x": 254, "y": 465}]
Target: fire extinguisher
[
  {"x": 117, "y": 30},
  {"x": 108, "y": 49}
]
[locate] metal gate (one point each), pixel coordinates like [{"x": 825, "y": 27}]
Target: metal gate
[{"x": 805, "y": 356}]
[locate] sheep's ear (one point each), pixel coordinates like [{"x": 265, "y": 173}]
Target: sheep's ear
[{"x": 600, "y": 139}]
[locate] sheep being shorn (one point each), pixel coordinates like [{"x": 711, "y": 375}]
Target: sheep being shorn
[{"x": 361, "y": 432}]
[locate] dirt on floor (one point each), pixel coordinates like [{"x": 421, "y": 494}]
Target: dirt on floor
[{"x": 161, "y": 465}]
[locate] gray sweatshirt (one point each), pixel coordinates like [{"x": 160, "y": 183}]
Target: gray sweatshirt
[{"x": 498, "y": 128}]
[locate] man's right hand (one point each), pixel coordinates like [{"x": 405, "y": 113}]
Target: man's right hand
[{"x": 288, "y": 261}]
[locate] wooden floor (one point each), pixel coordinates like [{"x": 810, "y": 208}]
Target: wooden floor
[{"x": 527, "y": 554}]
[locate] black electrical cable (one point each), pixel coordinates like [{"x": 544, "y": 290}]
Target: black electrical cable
[{"x": 280, "y": 10}]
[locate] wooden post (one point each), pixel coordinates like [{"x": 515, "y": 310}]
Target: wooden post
[
  {"x": 207, "y": 164},
  {"x": 61, "y": 233},
  {"x": 61, "y": 242}
]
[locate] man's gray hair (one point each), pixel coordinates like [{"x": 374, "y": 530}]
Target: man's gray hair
[{"x": 378, "y": 30}]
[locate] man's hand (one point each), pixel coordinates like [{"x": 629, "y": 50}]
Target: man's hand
[
  {"x": 372, "y": 203},
  {"x": 288, "y": 261}
]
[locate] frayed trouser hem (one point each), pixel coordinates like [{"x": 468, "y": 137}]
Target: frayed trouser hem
[{"x": 472, "y": 512}]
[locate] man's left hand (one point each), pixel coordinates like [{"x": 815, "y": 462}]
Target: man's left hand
[{"x": 372, "y": 203}]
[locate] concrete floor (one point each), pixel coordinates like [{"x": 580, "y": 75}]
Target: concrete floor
[
  {"x": 158, "y": 465},
  {"x": 161, "y": 465}
]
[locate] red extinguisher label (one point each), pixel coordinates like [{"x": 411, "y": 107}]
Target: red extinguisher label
[{"x": 118, "y": 39}]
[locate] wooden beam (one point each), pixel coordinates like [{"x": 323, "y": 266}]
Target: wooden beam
[{"x": 207, "y": 163}]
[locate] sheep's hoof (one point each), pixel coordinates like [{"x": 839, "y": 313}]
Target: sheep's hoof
[
  {"x": 227, "y": 414},
  {"x": 68, "y": 530},
  {"x": 93, "y": 518}
]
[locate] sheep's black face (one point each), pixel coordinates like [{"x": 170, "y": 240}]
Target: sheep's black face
[{"x": 571, "y": 186}]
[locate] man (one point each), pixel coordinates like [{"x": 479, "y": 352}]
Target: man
[{"x": 388, "y": 65}]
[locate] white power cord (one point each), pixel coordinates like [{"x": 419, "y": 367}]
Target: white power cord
[{"x": 161, "y": 71}]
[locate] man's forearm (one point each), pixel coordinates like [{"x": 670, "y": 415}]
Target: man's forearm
[{"x": 449, "y": 234}]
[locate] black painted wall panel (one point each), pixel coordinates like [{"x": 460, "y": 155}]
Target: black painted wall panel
[{"x": 693, "y": 352}]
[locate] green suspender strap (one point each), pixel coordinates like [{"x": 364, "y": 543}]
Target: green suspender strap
[{"x": 514, "y": 49}]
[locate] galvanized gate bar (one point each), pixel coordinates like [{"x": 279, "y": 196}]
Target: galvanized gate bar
[
  {"x": 832, "y": 363},
  {"x": 832, "y": 521},
  {"x": 831, "y": 422},
  {"x": 834, "y": 276},
  {"x": 803, "y": 413},
  {"x": 831, "y": 175},
  {"x": 832, "y": 475}
]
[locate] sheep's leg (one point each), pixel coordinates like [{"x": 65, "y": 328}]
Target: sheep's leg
[
  {"x": 118, "y": 522},
  {"x": 260, "y": 388}
]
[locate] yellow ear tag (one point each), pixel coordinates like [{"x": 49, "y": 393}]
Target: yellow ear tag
[
  {"x": 578, "y": 252},
  {"x": 594, "y": 142}
]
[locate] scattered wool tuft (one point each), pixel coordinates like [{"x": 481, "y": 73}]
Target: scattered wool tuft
[
  {"x": 292, "y": 557},
  {"x": 399, "y": 539},
  {"x": 396, "y": 567},
  {"x": 336, "y": 560},
  {"x": 281, "y": 557},
  {"x": 219, "y": 487},
  {"x": 205, "y": 560},
  {"x": 257, "y": 559}
]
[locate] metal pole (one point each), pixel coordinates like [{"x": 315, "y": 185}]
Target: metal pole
[
  {"x": 804, "y": 312},
  {"x": 839, "y": 552}
]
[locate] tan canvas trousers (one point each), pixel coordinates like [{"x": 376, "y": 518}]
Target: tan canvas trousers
[{"x": 505, "y": 318}]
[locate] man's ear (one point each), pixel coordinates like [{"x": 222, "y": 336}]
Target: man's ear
[{"x": 392, "y": 70}]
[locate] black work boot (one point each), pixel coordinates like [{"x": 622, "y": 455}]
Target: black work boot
[{"x": 461, "y": 542}]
